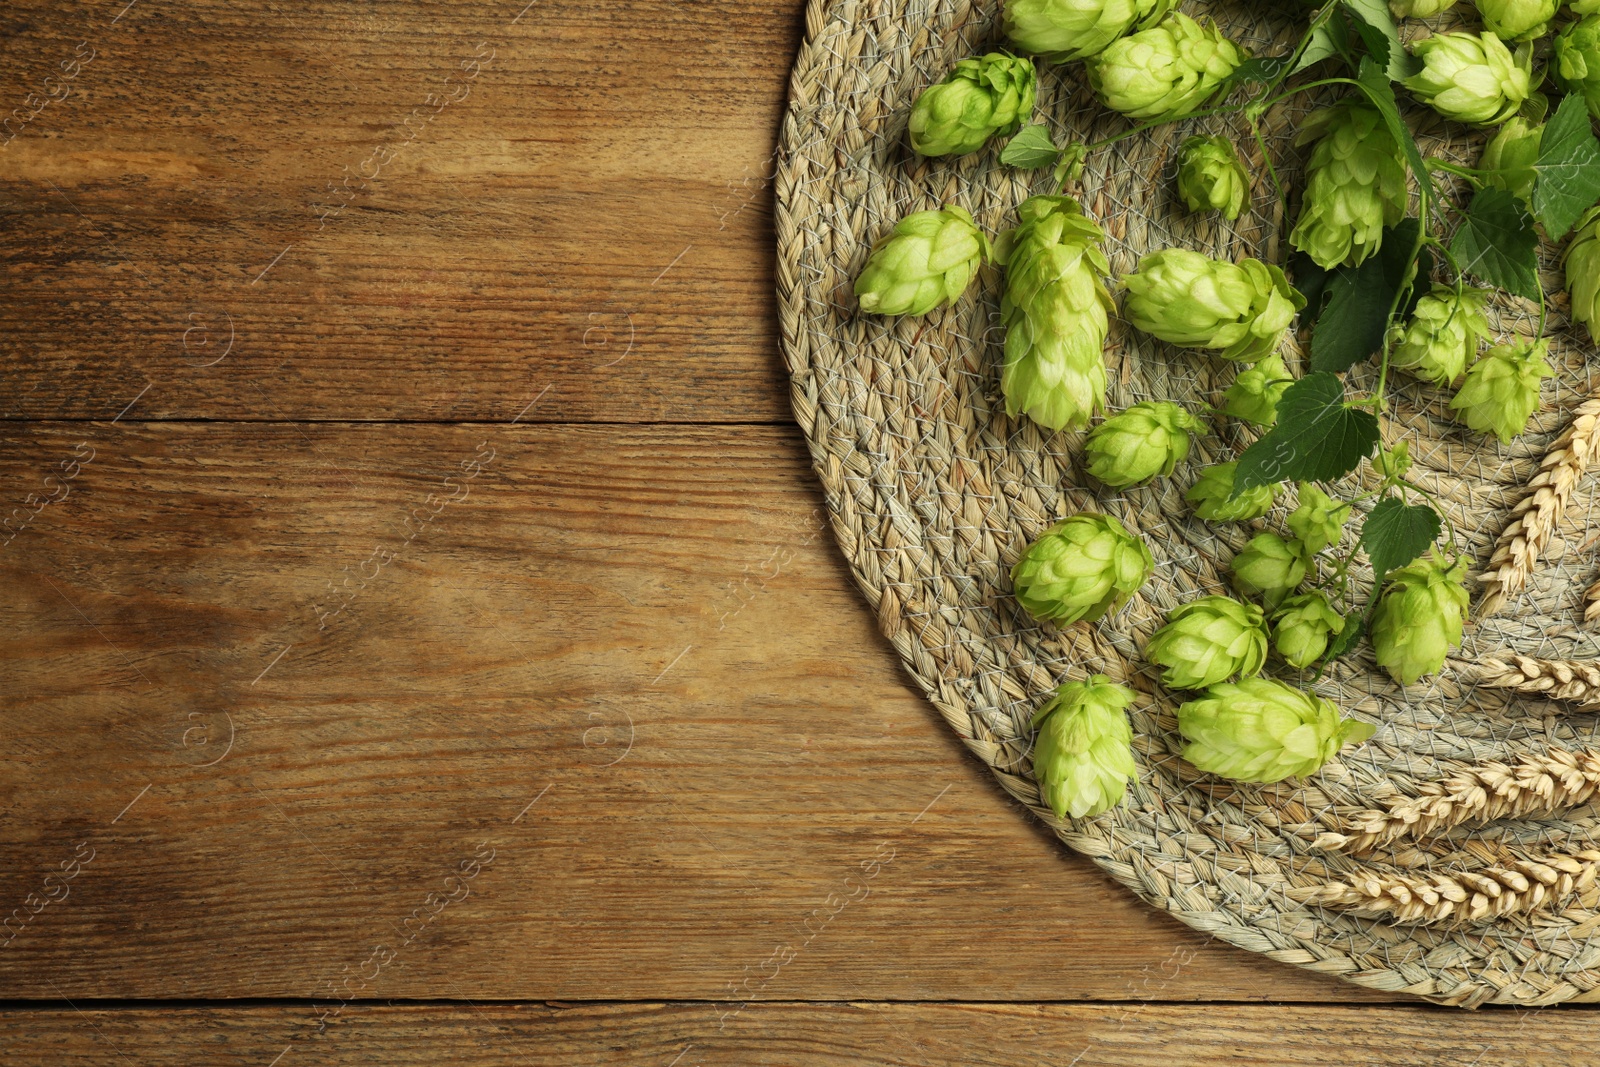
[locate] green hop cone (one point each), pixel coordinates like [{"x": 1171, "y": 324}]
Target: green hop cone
[
  {"x": 1501, "y": 391},
  {"x": 1056, "y": 311},
  {"x": 1420, "y": 9},
  {"x": 1212, "y": 496},
  {"x": 1583, "y": 7},
  {"x": 1303, "y": 627},
  {"x": 1063, "y": 30},
  {"x": 1510, "y": 155},
  {"x": 1211, "y": 178},
  {"x": 1166, "y": 71},
  {"x": 1239, "y": 310},
  {"x": 1148, "y": 439},
  {"x": 1442, "y": 337},
  {"x": 1419, "y": 618},
  {"x": 1582, "y": 265},
  {"x": 1255, "y": 392},
  {"x": 1575, "y": 60},
  {"x": 981, "y": 98},
  {"x": 1262, "y": 730},
  {"x": 1270, "y": 568},
  {"x": 1394, "y": 462},
  {"x": 1471, "y": 78},
  {"x": 1518, "y": 20},
  {"x": 925, "y": 262},
  {"x": 1208, "y": 641},
  {"x": 1080, "y": 568},
  {"x": 1083, "y": 755},
  {"x": 1319, "y": 520},
  {"x": 1355, "y": 185}
]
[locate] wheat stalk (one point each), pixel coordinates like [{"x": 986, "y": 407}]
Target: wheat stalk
[
  {"x": 1561, "y": 679},
  {"x": 1534, "y": 518},
  {"x": 1521, "y": 887},
  {"x": 1533, "y": 785}
]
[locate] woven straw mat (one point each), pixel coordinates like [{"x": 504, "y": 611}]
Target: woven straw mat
[{"x": 934, "y": 493}]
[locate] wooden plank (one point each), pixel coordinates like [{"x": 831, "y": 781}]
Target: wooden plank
[
  {"x": 801, "y": 1035},
  {"x": 588, "y": 587},
  {"x": 288, "y": 212}
]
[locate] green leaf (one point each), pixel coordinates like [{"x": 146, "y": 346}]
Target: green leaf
[
  {"x": 1330, "y": 39},
  {"x": 1263, "y": 70},
  {"x": 1316, "y": 439},
  {"x": 1374, "y": 83},
  {"x": 1397, "y": 533},
  {"x": 1498, "y": 243},
  {"x": 1354, "y": 627},
  {"x": 1374, "y": 24},
  {"x": 1030, "y": 149},
  {"x": 1357, "y": 318},
  {"x": 1568, "y": 182},
  {"x": 1312, "y": 281}
]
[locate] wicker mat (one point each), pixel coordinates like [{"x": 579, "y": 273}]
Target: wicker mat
[{"x": 934, "y": 493}]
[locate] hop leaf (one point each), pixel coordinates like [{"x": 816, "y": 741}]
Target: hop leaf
[
  {"x": 1080, "y": 568},
  {"x": 1056, "y": 311},
  {"x": 1083, "y": 756},
  {"x": 1261, "y": 730},
  {"x": 982, "y": 97},
  {"x": 1582, "y": 266},
  {"x": 925, "y": 262},
  {"x": 1207, "y": 641}
]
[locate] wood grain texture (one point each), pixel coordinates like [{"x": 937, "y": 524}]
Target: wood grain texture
[
  {"x": 807, "y": 1035},
  {"x": 470, "y": 207},
  {"x": 791, "y": 820}
]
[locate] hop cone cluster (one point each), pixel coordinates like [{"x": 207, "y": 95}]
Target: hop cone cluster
[
  {"x": 1582, "y": 266},
  {"x": 1209, "y": 640},
  {"x": 1166, "y": 71},
  {"x": 1148, "y": 439},
  {"x": 1512, "y": 152},
  {"x": 1518, "y": 20},
  {"x": 1443, "y": 334},
  {"x": 1501, "y": 391},
  {"x": 1303, "y": 628},
  {"x": 925, "y": 262},
  {"x": 1261, "y": 730},
  {"x": 982, "y": 97},
  {"x": 1212, "y": 496},
  {"x": 1418, "y": 618},
  {"x": 1319, "y": 520},
  {"x": 1575, "y": 60},
  {"x": 1238, "y": 310},
  {"x": 1471, "y": 78},
  {"x": 1270, "y": 568},
  {"x": 1355, "y": 185},
  {"x": 1055, "y": 310},
  {"x": 1255, "y": 392},
  {"x": 1080, "y": 568},
  {"x": 1064, "y": 30},
  {"x": 1083, "y": 756},
  {"x": 1211, "y": 177},
  {"x": 1420, "y": 9}
]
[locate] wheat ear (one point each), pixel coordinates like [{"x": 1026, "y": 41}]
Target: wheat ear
[
  {"x": 1577, "y": 681},
  {"x": 1521, "y": 887},
  {"x": 1534, "y": 518},
  {"x": 1533, "y": 785}
]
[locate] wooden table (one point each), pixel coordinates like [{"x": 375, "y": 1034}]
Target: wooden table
[{"x": 422, "y": 639}]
